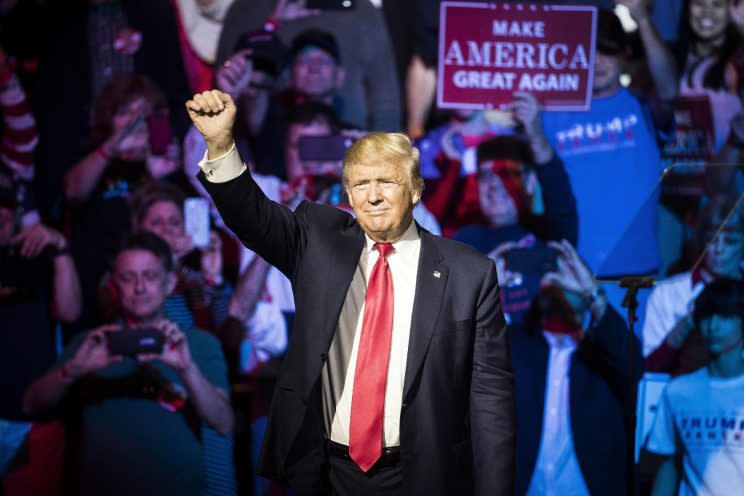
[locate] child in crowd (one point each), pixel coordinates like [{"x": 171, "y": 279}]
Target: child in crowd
[{"x": 700, "y": 416}]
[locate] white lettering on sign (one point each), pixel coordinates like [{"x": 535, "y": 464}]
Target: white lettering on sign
[
  {"x": 506, "y": 81},
  {"x": 484, "y": 80},
  {"x": 526, "y": 29},
  {"x": 549, "y": 82},
  {"x": 579, "y": 59},
  {"x": 519, "y": 55}
]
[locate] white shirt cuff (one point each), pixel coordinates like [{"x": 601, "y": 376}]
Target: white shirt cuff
[{"x": 223, "y": 168}]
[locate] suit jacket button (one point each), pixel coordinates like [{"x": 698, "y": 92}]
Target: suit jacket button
[
  {"x": 323, "y": 357},
  {"x": 404, "y": 405}
]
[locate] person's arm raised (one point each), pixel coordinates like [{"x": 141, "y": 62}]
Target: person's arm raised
[
  {"x": 271, "y": 230},
  {"x": 660, "y": 59},
  {"x": 213, "y": 114}
]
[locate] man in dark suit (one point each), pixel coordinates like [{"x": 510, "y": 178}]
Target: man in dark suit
[
  {"x": 570, "y": 359},
  {"x": 398, "y": 378}
]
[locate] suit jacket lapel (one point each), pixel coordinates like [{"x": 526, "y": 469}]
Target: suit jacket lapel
[{"x": 430, "y": 284}]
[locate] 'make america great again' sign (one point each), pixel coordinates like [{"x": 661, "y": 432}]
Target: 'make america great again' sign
[{"x": 487, "y": 51}]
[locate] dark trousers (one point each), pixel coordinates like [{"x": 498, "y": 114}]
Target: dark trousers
[{"x": 347, "y": 479}]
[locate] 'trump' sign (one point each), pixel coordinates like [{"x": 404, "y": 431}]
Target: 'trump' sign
[{"x": 487, "y": 51}]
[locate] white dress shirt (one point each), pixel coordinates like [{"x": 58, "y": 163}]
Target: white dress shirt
[
  {"x": 403, "y": 264},
  {"x": 223, "y": 168},
  {"x": 557, "y": 470}
]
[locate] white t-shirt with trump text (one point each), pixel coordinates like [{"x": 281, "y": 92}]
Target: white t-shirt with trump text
[{"x": 701, "y": 419}]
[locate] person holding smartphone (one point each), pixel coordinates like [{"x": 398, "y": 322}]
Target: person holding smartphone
[
  {"x": 697, "y": 429},
  {"x": 571, "y": 371},
  {"x": 118, "y": 158},
  {"x": 611, "y": 153},
  {"x": 146, "y": 405},
  {"x": 202, "y": 294},
  {"x": 38, "y": 287},
  {"x": 526, "y": 200},
  {"x": 370, "y": 91}
]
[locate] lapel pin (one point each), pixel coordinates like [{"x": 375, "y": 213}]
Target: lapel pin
[{"x": 437, "y": 274}]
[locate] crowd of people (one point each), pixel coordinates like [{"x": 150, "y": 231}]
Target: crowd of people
[{"x": 98, "y": 170}]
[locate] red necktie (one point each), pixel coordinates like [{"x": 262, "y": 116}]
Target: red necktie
[{"x": 370, "y": 375}]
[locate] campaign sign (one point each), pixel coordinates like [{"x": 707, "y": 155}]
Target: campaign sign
[
  {"x": 487, "y": 51},
  {"x": 686, "y": 153}
]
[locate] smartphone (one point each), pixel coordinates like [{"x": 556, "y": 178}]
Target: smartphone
[
  {"x": 329, "y": 4},
  {"x": 196, "y": 220},
  {"x": 323, "y": 148},
  {"x": 158, "y": 127},
  {"x": 532, "y": 261},
  {"x": 133, "y": 342}
]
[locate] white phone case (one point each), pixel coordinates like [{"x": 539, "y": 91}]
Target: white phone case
[{"x": 196, "y": 220}]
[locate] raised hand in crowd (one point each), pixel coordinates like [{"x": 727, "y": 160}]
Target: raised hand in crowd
[
  {"x": 526, "y": 111},
  {"x": 93, "y": 354},
  {"x": 287, "y": 10},
  {"x": 126, "y": 138},
  {"x": 35, "y": 238},
  {"x": 213, "y": 114},
  {"x": 234, "y": 75},
  {"x": 448, "y": 143},
  {"x": 640, "y": 10},
  {"x": 574, "y": 276},
  {"x": 661, "y": 62},
  {"x": 475, "y": 125}
]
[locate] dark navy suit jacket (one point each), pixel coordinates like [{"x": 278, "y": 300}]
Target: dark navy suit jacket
[
  {"x": 598, "y": 384},
  {"x": 457, "y": 419}
]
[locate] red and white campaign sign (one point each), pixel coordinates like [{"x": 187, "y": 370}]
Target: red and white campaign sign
[{"x": 487, "y": 51}]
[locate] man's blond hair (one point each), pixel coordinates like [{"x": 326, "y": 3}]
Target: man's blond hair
[{"x": 392, "y": 148}]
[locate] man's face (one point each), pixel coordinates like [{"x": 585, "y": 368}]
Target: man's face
[
  {"x": 315, "y": 73},
  {"x": 165, "y": 219},
  {"x": 606, "y": 74},
  {"x": 7, "y": 224},
  {"x": 382, "y": 197},
  {"x": 723, "y": 255},
  {"x": 721, "y": 332},
  {"x": 142, "y": 284},
  {"x": 709, "y": 18},
  {"x": 297, "y": 168},
  {"x": 496, "y": 204}
]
